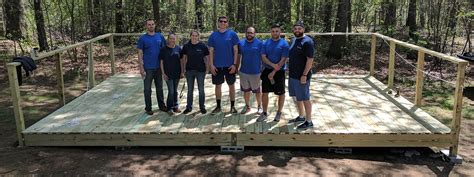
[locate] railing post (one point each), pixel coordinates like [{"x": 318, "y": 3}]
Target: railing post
[
  {"x": 112, "y": 54},
  {"x": 372, "y": 54},
  {"x": 16, "y": 100},
  {"x": 60, "y": 79},
  {"x": 90, "y": 63},
  {"x": 391, "y": 64},
  {"x": 456, "y": 123},
  {"x": 420, "y": 66}
]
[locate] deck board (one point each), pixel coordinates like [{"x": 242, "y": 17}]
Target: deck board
[{"x": 341, "y": 105}]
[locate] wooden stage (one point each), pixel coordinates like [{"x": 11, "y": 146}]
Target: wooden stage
[{"x": 348, "y": 111}]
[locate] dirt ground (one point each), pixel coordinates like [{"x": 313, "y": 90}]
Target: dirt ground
[{"x": 209, "y": 161}]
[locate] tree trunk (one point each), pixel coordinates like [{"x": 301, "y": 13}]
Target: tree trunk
[
  {"x": 119, "y": 25},
  {"x": 349, "y": 17},
  {"x": 390, "y": 13},
  {"x": 139, "y": 14},
  {"x": 156, "y": 14},
  {"x": 39, "y": 18},
  {"x": 14, "y": 19},
  {"x": 298, "y": 10},
  {"x": 421, "y": 14},
  {"x": 241, "y": 16},
  {"x": 199, "y": 20},
  {"x": 411, "y": 18},
  {"x": 341, "y": 26},
  {"x": 327, "y": 15},
  {"x": 214, "y": 14}
]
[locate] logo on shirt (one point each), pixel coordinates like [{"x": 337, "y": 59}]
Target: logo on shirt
[{"x": 228, "y": 39}]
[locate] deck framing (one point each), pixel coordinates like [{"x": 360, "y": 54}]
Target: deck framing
[{"x": 266, "y": 134}]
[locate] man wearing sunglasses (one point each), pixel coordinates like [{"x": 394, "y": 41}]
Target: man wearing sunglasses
[{"x": 223, "y": 53}]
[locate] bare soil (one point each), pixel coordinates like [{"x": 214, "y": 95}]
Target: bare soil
[{"x": 40, "y": 100}]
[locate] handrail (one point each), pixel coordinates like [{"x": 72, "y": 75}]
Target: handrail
[{"x": 461, "y": 65}]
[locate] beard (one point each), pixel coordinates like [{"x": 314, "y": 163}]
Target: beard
[
  {"x": 250, "y": 38},
  {"x": 298, "y": 34}
]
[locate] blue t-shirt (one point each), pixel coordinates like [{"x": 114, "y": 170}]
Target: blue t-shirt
[
  {"x": 300, "y": 50},
  {"x": 251, "y": 56},
  {"x": 171, "y": 61},
  {"x": 274, "y": 50},
  {"x": 151, "y": 46},
  {"x": 223, "y": 44}
]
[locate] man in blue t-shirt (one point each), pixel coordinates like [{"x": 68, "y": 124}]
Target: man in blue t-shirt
[
  {"x": 149, "y": 46},
  {"x": 274, "y": 57},
  {"x": 223, "y": 53},
  {"x": 300, "y": 64},
  {"x": 250, "y": 50}
]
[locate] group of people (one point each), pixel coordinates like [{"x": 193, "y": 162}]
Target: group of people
[{"x": 261, "y": 66}]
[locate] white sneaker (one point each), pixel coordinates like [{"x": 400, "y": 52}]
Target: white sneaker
[{"x": 259, "y": 110}]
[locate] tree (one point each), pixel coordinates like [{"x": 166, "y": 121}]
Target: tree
[
  {"x": 39, "y": 19},
  {"x": 15, "y": 19},
  {"x": 341, "y": 26},
  {"x": 199, "y": 12},
  {"x": 241, "y": 21},
  {"x": 156, "y": 14},
  {"x": 390, "y": 12},
  {"x": 119, "y": 25},
  {"x": 327, "y": 15},
  {"x": 411, "y": 18}
]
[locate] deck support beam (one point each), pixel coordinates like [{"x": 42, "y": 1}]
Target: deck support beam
[
  {"x": 373, "y": 42},
  {"x": 90, "y": 64},
  {"x": 420, "y": 67},
  {"x": 112, "y": 54},
  {"x": 458, "y": 98},
  {"x": 16, "y": 100}
]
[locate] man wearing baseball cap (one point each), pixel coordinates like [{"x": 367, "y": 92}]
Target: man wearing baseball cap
[{"x": 301, "y": 57}]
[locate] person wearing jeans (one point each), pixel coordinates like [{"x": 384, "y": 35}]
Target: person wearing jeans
[
  {"x": 171, "y": 60},
  {"x": 149, "y": 46},
  {"x": 195, "y": 58}
]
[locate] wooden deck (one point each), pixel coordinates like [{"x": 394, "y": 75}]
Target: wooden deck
[{"x": 352, "y": 110}]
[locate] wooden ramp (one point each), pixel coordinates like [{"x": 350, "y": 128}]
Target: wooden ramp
[{"x": 348, "y": 110}]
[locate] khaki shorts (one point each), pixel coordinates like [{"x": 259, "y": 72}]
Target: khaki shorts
[{"x": 250, "y": 82}]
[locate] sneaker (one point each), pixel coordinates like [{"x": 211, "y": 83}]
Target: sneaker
[
  {"x": 259, "y": 110},
  {"x": 277, "y": 117},
  {"x": 262, "y": 117},
  {"x": 305, "y": 125},
  {"x": 203, "y": 111},
  {"x": 187, "y": 111},
  {"x": 233, "y": 110},
  {"x": 170, "y": 112},
  {"x": 245, "y": 110},
  {"x": 216, "y": 110},
  {"x": 176, "y": 110},
  {"x": 297, "y": 119},
  {"x": 149, "y": 112}
]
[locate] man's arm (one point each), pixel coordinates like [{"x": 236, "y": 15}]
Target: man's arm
[
  {"x": 140, "y": 62},
  {"x": 308, "y": 66},
  {"x": 233, "y": 68},
  {"x": 183, "y": 61},
  {"x": 211, "y": 61}
]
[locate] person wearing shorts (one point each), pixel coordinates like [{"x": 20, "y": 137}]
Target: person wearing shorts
[
  {"x": 250, "y": 50},
  {"x": 301, "y": 57},
  {"x": 223, "y": 53},
  {"x": 274, "y": 57}
]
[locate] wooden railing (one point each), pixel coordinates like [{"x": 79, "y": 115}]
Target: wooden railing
[{"x": 461, "y": 65}]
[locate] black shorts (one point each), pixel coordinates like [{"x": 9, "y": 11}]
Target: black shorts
[
  {"x": 279, "y": 87},
  {"x": 222, "y": 73}
]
